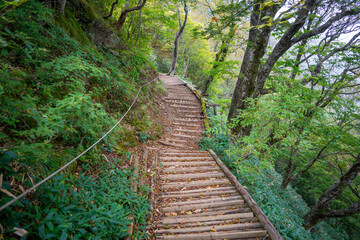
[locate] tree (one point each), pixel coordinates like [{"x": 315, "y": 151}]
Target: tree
[
  {"x": 174, "y": 58},
  {"x": 254, "y": 69},
  {"x": 123, "y": 15},
  {"x": 321, "y": 210}
]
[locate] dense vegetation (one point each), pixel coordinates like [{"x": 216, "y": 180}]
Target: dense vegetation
[
  {"x": 60, "y": 92},
  {"x": 286, "y": 74}
]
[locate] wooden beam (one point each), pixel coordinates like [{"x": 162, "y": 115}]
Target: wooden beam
[{"x": 274, "y": 234}]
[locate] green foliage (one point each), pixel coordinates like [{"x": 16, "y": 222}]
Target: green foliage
[
  {"x": 284, "y": 208},
  {"x": 83, "y": 207},
  {"x": 59, "y": 93}
]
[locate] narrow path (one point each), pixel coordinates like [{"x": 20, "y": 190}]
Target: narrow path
[{"x": 195, "y": 199}]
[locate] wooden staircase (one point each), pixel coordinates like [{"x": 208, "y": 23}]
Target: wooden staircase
[{"x": 196, "y": 197}]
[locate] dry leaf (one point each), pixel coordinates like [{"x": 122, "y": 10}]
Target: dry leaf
[
  {"x": 213, "y": 230},
  {"x": 197, "y": 210},
  {"x": 8, "y": 193},
  {"x": 20, "y": 231}
]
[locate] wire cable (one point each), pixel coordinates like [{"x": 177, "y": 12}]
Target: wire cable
[{"x": 73, "y": 160}]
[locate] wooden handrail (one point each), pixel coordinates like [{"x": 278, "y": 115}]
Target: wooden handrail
[{"x": 269, "y": 227}]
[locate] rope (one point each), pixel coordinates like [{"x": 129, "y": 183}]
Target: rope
[{"x": 66, "y": 165}]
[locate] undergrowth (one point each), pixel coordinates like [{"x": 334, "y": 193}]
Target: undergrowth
[
  {"x": 58, "y": 95},
  {"x": 284, "y": 208}
]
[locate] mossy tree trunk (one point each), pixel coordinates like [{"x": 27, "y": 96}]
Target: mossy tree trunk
[{"x": 254, "y": 72}]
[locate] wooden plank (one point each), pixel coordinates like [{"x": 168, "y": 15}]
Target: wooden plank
[
  {"x": 186, "y": 158},
  {"x": 189, "y": 218},
  {"x": 216, "y": 235},
  {"x": 202, "y": 190},
  {"x": 185, "y": 136},
  {"x": 184, "y": 120},
  {"x": 190, "y": 169},
  {"x": 213, "y": 193},
  {"x": 274, "y": 234},
  {"x": 186, "y": 153},
  {"x": 204, "y": 205},
  {"x": 184, "y": 106},
  {"x": 183, "y": 102},
  {"x": 191, "y": 176},
  {"x": 208, "y": 223},
  {"x": 189, "y": 163},
  {"x": 195, "y": 184},
  {"x": 187, "y": 124},
  {"x": 173, "y": 144},
  {"x": 176, "y": 140},
  {"x": 239, "y": 226},
  {"x": 206, "y": 200}
]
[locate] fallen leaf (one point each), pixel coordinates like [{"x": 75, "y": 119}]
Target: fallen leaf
[
  {"x": 197, "y": 210},
  {"x": 20, "y": 231}
]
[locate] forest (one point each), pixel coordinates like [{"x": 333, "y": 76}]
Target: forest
[{"x": 284, "y": 75}]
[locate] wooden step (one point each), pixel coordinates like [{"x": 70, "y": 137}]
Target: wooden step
[
  {"x": 217, "y": 235},
  {"x": 187, "y": 124},
  {"x": 190, "y": 169},
  {"x": 184, "y": 106},
  {"x": 199, "y": 192},
  {"x": 212, "y": 193},
  {"x": 239, "y": 226},
  {"x": 207, "y": 205},
  {"x": 185, "y": 153},
  {"x": 188, "y": 130},
  {"x": 206, "y": 200},
  {"x": 182, "y": 99},
  {"x": 177, "y": 140},
  {"x": 190, "y": 218},
  {"x": 166, "y": 143},
  {"x": 185, "y": 136},
  {"x": 186, "y": 158},
  {"x": 201, "y": 183},
  {"x": 192, "y": 176},
  {"x": 183, "y": 102},
  {"x": 209, "y": 223},
  {"x": 205, "y": 163},
  {"x": 184, "y": 120}
]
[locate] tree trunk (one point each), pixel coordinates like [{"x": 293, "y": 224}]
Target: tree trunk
[
  {"x": 185, "y": 73},
  {"x": 174, "y": 58},
  {"x": 62, "y": 7},
  {"x": 253, "y": 73},
  {"x": 320, "y": 210},
  {"x": 220, "y": 56},
  {"x": 255, "y": 50}
]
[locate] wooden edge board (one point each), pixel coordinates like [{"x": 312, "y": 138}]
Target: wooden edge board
[{"x": 274, "y": 234}]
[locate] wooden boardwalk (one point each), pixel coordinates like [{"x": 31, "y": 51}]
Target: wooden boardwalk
[{"x": 196, "y": 198}]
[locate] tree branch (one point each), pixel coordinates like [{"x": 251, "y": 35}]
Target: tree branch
[
  {"x": 326, "y": 25},
  {"x": 111, "y": 10}
]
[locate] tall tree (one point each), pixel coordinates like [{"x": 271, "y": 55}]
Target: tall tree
[
  {"x": 223, "y": 27},
  {"x": 254, "y": 70},
  {"x": 174, "y": 58}
]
